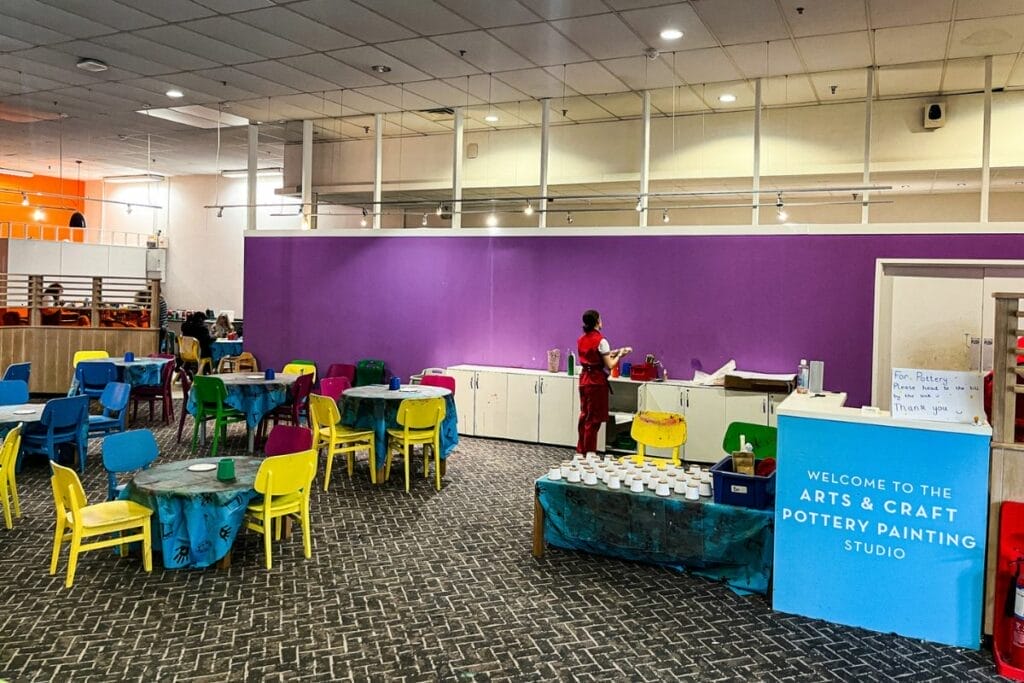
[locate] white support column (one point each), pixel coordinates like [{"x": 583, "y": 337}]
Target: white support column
[
  {"x": 307, "y": 173},
  {"x": 250, "y": 189},
  {"x": 755, "y": 213},
  {"x": 545, "y": 141},
  {"x": 868, "y": 99},
  {"x": 457, "y": 155},
  {"x": 986, "y": 141},
  {"x": 645, "y": 159},
  {"x": 378, "y": 166}
]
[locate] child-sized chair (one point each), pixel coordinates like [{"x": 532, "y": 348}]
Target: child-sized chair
[
  {"x": 114, "y": 401},
  {"x": 18, "y": 371},
  {"x": 8, "y": 485},
  {"x": 210, "y": 394},
  {"x": 285, "y": 439},
  {"x": 339, "y": 440},
  {"x": 285, "y": 482},
  {"x": 190, "y": 355},
  {"x": 334, "y": 387},
  {"x": 13, "y": 392},
  {"x": 653, "y": 429},
  {"x": 127, "y": 452},
  {"x": 420, "y": 422},
  {"x": 87, "y": 355},
  {"x": 63, "y": 420}
]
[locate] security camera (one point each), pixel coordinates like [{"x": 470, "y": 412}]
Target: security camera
[
  {"x": 833, "y": 88},
  {"x": 651, "y": 53}
]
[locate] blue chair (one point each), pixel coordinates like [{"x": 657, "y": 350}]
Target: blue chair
[
  {"x": 127, "y": 452},
  {"x": 64, "y": 420},
  {"x": 114, "y": 401},
  {"x": 13, "y": 392},
  {"x": 18, "y": 371},
  {"x": 94, "y": 376}
]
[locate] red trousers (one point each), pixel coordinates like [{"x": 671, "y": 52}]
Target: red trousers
[{"x": 593, "y": 414}]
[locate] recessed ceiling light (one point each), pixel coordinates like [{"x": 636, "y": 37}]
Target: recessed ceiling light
[
  {"x": 380, "y": 69},
  {"x": 174, "y": 93},
  {"x": 93, "y": 65},
  {"x": 727, "y": 97},
  {"x": 671, "y": 34},
  {"x": 491, "y": 118}
]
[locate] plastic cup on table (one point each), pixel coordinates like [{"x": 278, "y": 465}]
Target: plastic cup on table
[
  {"x": 226, "y": 469},
  {"x": 396, "y": 383},
  {"x": 269, "y": 374},
  {"x": 129, "y": 357}
]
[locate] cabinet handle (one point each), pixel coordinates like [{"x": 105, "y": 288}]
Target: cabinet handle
[
  {"x": 541, "y": 385},
  {"x": 535, "y": 384},
  {"x": 764, "y": 405},
  {"x": 687, "y": 398}
]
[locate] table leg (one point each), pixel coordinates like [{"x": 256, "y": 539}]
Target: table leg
[
  {"x": 225, "y": 562},
  {"x": 250, "y": 434},
  {"x": 538, "y": 526},
  {"x": 202, "y": 433}
]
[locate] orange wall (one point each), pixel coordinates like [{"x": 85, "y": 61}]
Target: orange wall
[{"x": 17, "y": 215}]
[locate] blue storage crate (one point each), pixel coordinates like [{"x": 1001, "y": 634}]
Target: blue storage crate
[{"x": 744, "y": 490}]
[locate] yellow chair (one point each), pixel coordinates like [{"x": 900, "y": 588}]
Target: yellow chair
[
  {"x": 658, "y": 430},
  {"x": 339, "y": 439},
  {"x": 285, "y": 482},
  {"x": 76, "y": 520},
  {"x": 87, "y": 355},
  {"x": 421, "y": 424},
  {"x": 189, "y": 350},
  {"x": 8, "y": 486},
  {"x": 300, "y": 369}
]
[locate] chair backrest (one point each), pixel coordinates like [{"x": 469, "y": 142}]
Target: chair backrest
[
  {"x": 114, "y": 398},
  {"x": 189, "y": 349},
  {"x": 18, "y": 371},
  {"x": 445, "y": 381},
  {"x": 209, "y": 390},
  {"x": 95, "y": 375},
  {"x": 64, "y": 413},
  {"x": 342, "y": 370},
  {"x": 659, "y": 430},
  {"x": 167, "y": 376},
  {"x": 369, "y": 371},
  {"x": 334, "y": 386},
  {"x": 87, "y": 355},
  {"x": 421, "y": 414},
  {"x": 12, "y": 392},
  {"x": 285, "y": 439},
  {"x": 301, "y": 388},
  {"x": 283, "y": 474},
  {"x": 9, "y": 451},
  {"x": 129, "y": 451},
  {"x": 68, "y": 494},
  {"x": 246, "y": 362},
  {"x": 763, "y": 438},
  {"x": 186, "y": 386},
  {"x": 300, "y": 369},
  {"x": 323, "y": 411}
]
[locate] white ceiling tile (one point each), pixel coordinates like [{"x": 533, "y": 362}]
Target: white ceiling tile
[
  {"x": 671, "y": 101},
  {"x": 55, "y": 18},
  {"x": 398, "y": 97},
  {"x": 430, "y": 57},
  {"x": 26, "y": 32},
  {"x": 824, "y": 16},
  {"x": 442, "y": 93},
  {"x": 705, "y": 66},
  {"x": 648, "y": 24},
  {"x": 640, "y": 73},
  {"x": 905, "y": 44},
  {"x": 129, "y": 43},
  {"x": 246, "y": 81},
  {"x": 483, "y": 51},
  {"x": 837, "y": 51},
  {"x": 780, "y": 56},
  {"x": 588, "y": 78},
  {"x": 297, "y": 28},
  {"x": 230, "y": 6},
  {"x": 604, "y": 36},
  {"x": 8, "y": 44},
  {"x": 851, "y": 84},
  {"x": 332, "y": 70},
  {"x": 536, "y": 82},
  {"x": 58, "y": 66},
  {"x": 582, "y": 109},
  {"x": 194, "y": 86},
  {"x": 741, "y": 90},
  {"x": 975, "y": 9},
  {"x": 885, "y": 13},
  {"x": 490, "y": 14},
  {"x": 487, "y": 89},
  {"x": 189, "y": 41},
  {"x": 623, "y": 5},
  {"x": 786, "y": 90},
  {"x": 425, "y": 17},
  {"x": 969, "y": 74},
  {"x": 625, "y": 104},
  {"x": 980, "y": 37},
  {"x": 19, "y": 81},
  {"x": 119, "y": 59},
  {"x": 352, "y": 19},
  {"x": 562, "y": 9},
  {"x": 317, "y": 105},
  {"x": 275, "y": 109},
  {"x": 909, "y": 79},
  {"x": 241, "y": 35},
  {"x": 363, "y": 57},
  {"x": 280, "y": 72},
  {"x": 356, "y": 100},
  {"x": 742, "y": 21},
  {"x": 540, "y": 43},
  {"x": 107, "y": 12},
  {"x": 171, "y": 10}
]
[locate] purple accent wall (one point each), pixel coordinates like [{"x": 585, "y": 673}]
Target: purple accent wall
[{"x": 694, "y": 302}]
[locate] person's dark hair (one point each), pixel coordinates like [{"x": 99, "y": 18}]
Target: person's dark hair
[{"x": 590, "y": 319}]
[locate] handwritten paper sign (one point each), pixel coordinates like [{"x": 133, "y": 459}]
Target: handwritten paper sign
[{"x": 937, "y": 395}]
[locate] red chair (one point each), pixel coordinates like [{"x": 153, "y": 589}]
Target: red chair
[
  {"x": 153, "y": 394},
  {"x": 334, "y": 386},
  {"x": 1018, "y": 417},
  {"x": 342, "y": 370},
  {"x": 291, "y": 411},
  {"x": 446, "y": 381},
  {"x": 186, "y": 386},
  {"x": 285, "y": 439}
]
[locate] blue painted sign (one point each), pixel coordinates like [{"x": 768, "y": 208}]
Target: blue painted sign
[{"x": 882, "y": 527}]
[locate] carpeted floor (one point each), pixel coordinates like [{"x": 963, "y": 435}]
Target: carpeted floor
[{"x": 419, "y": 587}]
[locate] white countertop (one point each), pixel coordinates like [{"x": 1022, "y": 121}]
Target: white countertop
[
  {"x": 545, "y": 373},
  {"x": 830, "y": 406}
]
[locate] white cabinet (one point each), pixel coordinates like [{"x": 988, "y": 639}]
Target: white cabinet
[
  {"x": 773, "y": 408},
  {"x": 465, "y": 399},
  {"x": 491, "y": 405},
  {"x": 556, "y": 417},
  {"x": 662, "y": 398},
  {"x": 746, "y": 406},
  {"x": 523, "y": 407},
  {"x": 704, "y": 408}
]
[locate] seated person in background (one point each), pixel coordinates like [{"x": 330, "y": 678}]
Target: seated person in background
[
  {"x": 52, "y": 295},
  {"x": 223, "y": 329},
  {"x": 195, "y": 326}
]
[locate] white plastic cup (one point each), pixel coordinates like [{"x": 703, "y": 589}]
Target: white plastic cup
[
  {"x": 637, "y": 486},
  {"x": 555, "y": 473},
  {"x": 692, "y": 492},
  {"x": 663, "y": 488},
  {"x": 565, "y": 467},
  {"x": 705, "y": 489},
  {"x": 574, "y": 476},
  {"x": 614, "y": 482},
  {"x": 590, "y": 478},
  {"x": 680, "y": 486}
]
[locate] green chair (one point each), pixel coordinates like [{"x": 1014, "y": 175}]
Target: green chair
[
  {"x": 369, "y": 371},
  {"x": 761, "y": 437},
  {"x": 209, "y": 394}
]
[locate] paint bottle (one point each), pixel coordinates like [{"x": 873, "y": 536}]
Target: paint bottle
[{"x": 571, "y": 363}]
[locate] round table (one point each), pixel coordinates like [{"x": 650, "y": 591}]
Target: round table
[
  {"x": 253, "y": 394},
  {"x": 21, "y": 412},
  {"x": 197, "y": 516},
  {"x": 141, "y": 372}
]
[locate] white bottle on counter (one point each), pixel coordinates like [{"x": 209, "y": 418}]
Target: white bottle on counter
[{"x": 802, "y": 376}]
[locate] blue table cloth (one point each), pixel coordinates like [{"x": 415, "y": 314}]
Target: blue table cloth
[
  {"x": 196, "y": 516},
  {"x": 252, "y": 394},
  {"x": 376, "y": 407},
  {"x": 224, "y": 347},
  {"x": 721, "y": 542},
  {"x": 141, "y": 372}
]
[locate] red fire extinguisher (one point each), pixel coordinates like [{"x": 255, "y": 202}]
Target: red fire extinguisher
[{"x": 1017, "y": 633}]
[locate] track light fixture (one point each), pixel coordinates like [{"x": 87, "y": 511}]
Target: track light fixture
[
  {"x": 664, "y": 216},
  {"x": 220, "y": 212},
  {"x": 440, "y": 209},
  {"x": 362, "y": 222},
  {"x": 128, "y": 209},
  {"x": 528, "y": 209},
  {"x": 424, "y": 221},
  {"x": 568, "y": 217},
  {"x": 780, "y": 212},
  {"x": 492, "y": 220},
  {"x": 24, "y": 199},
  {"x": 639, "y": 203}
]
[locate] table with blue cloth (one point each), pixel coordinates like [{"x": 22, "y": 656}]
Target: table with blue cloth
[
  {"x": 141, "y": 372},
  {"x": 252, "y": 394},
  {"x": 721, "y": 542},
  {"x": 196, "y": 516},
  {"x": 375, "y": 407},
  {"x": 222, "y": 348}
]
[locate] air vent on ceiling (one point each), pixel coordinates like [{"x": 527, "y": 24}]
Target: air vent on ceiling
[{"x": 438, "y": 114}]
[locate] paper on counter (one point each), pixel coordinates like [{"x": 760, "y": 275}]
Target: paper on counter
[
  {"x": 716, "y": 377},
  {"x": 777, "y": 377}
]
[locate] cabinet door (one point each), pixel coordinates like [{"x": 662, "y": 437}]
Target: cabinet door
[
  {"x": 523, "y": 401},
  {"x": 705, "y": 423},
  {"x": 746, "y": 406},
  {"x": 465, "y": 393},
  {"x": 663, "y": 398},
  {"x": 773, "y": 408},
  {"x": 557, "y": 423},
  {"x": 491, "y": 404}
]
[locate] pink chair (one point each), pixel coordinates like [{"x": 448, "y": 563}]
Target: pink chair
[
  {"x": 285, "y": 439},
  {"x": 446, "y": 381},
  {"x": 342, "y": 370},
  {"x": 292, "y": 411},
  {"x": 334, "y": 386}
]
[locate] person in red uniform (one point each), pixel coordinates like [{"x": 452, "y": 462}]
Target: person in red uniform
[{"x": 596, "y": 357}]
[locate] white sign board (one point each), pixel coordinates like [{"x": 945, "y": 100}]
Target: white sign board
[{"x": 938, "y": 395}]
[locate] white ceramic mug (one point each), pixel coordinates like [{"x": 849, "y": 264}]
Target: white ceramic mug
[
  {"x": 663, "y": 488},
  {"x": 692, "y": 492},
  {"x": 652, "y": 482},
  {"x": 705, "y": 489},
  {"x": 680, "y": 486},
  {"x": 574, "y": 475},
  {"x": 638, "y": 486},
  {"x": 614, "y": 482},
  {"x": 554, "y": 474},
  {"x": 590, "y": 478},
  {"x": 565, "y": 467}
]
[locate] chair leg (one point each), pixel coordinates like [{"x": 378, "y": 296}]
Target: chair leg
[
  {"x": 12, "y": 489},
  {"x": 307, "y": 541},
  {"x": 147, "y": 546},
  {"x": 58, "y": 538},
  {"x": 437, "y": 464},
  {"x": 195, "y": 431},
  {"x": 76, "y": 544},
  {"x": 268, "y": 526},
  {"x": 330, "y": 464},
  {"x": 406, "y": 458},
  {"x": 351, "y": 462},
  {"x": 387, "y": 460},
  {"x": 4, "y": 502},
  {"x": 216, "y": 437},
  {"x": 371, "y": 456}
]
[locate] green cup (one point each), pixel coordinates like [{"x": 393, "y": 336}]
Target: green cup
[{"x": 226, "y": 469}]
